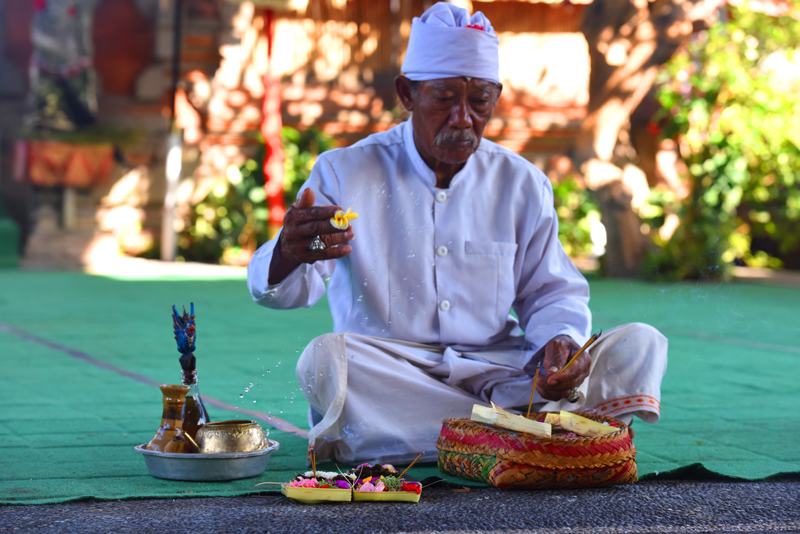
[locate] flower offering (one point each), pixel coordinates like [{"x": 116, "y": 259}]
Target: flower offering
[
  {"x": 320, "y": 486},
  {"x": 363, "y": 483},
  {"x": 382, "y": 483},
  {"x": 341, "y": 219}
]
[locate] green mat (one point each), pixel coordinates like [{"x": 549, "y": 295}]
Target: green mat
[{"x": 79, "y": 357}]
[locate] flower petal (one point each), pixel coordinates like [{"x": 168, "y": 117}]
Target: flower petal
[{"x": 341, "y": 219}]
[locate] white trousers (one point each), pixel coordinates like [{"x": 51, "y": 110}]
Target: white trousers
[{"x": 381, "y": 400}]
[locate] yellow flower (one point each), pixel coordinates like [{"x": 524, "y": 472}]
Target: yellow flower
[{"x": 341, "y": 219}]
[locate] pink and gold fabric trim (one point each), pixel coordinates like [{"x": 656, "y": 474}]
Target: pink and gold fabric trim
[{"x": 631, "y": 403}]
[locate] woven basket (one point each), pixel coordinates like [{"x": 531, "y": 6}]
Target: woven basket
[{"x": 510, "y": 459}]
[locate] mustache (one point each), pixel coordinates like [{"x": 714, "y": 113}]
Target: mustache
[{"x": 456, "y": 136}]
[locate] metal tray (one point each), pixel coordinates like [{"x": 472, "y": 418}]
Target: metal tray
[{"x": 207, "y": 467}]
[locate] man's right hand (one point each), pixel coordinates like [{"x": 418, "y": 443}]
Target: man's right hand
[{"x": 301, "y": 224}]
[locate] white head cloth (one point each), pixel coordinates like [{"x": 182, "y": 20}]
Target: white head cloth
[{"x": 446, "y": 42}]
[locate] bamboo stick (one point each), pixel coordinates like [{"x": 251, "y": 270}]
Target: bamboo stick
[
  {"x": 583, "y": 348},
  {"x": 412, "y": 463},
  {"x": 533, "y": 390}
]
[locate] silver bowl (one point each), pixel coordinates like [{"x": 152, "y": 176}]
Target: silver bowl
[
  {"x": 207, "y": 467},
  {"x": 231, "y": 436}
]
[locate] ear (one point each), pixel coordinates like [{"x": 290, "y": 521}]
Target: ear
[
  {"x": 499, "y": 90},
  {"x": 403, "y": 87}
]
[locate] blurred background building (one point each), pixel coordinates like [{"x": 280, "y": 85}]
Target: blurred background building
[
  {"x": 95, "y": 93},
  {"x": 335, "y": 61}
]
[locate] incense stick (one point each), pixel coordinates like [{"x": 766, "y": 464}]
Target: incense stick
[
  {"x": 314, "y": 463},
  {"x": 412, "y": 463},
  {"x": 533, "y": 390},
  {"x": 583, "y": 348}
]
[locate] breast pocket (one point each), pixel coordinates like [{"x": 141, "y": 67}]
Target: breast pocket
[{"x": 493, "y": 262}]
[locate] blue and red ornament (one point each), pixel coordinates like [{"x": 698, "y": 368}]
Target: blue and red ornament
[{"x": 185, "y": 333}]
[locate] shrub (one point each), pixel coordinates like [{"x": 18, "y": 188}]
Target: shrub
[
  {"x": 737, "y": 122},
  {"x": 232, "y": 221}
]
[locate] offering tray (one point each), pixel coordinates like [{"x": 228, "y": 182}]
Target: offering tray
[
  {"x": 384, "y": 496},
  {"x": 316, "y": 495},
  {"x": 207, "y": 467}
]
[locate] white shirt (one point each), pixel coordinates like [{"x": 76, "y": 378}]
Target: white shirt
[{"x": 441, "y": 266}]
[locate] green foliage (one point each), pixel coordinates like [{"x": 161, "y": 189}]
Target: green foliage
[
  {"x": 301, "y": 149},
  {"x": 232, "y": 221},
  {"x": 737, "y": 118},
  {"x": 576, "y": 212},
  {"x": 393, "y": 483}
]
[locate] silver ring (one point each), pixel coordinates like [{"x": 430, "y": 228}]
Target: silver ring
[
  {"x": 574, "y": 395},
  {"x": 317, "y": 245}
]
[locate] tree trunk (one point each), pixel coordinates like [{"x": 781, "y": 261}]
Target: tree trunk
[{"x": 628, "y": 41}]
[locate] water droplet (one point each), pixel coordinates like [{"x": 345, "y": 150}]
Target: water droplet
[
  {"x": 254, "y": 402},
  {"x": 269, "y": 371},
  {"x": 281, "y": 410},
  {"x": 365, "y": 284},
  {"x": 241, "y": 395},
  {"x": 247, "y": 390}
]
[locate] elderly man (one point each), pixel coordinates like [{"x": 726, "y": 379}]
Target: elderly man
[{"x": 454, "y": 232}]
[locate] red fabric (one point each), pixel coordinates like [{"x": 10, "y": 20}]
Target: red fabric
[
  {"x": 271, "y": 126},
  {"x": 653, "y": 128},
  {"x": 476, "y": 27}
]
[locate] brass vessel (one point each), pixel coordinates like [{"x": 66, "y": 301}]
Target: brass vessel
[
  {"x": 231, "y": 436},
  {"x": 170, "y": 436}
]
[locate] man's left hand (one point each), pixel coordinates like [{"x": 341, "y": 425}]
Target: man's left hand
[{"x": 557, "y": 385}]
